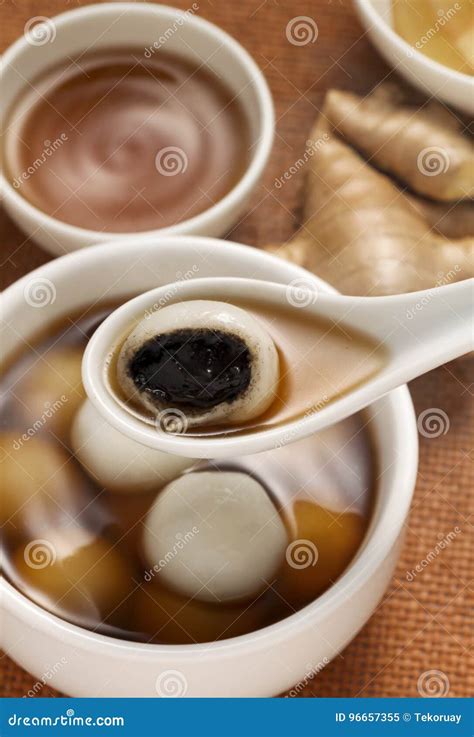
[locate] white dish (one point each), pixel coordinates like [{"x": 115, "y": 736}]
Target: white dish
[
  {"x": 266, "y": 662},
  {"x": 444, "y": 83},
  {"x": 140, "y": 24}
]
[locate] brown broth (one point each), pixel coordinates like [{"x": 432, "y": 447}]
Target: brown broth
[
  {"x": 115, "y": 141},
  {"x": 75, "y": 548}
]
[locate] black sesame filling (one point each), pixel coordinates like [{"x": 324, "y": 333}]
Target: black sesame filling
[{"x": 194, "y": 368}]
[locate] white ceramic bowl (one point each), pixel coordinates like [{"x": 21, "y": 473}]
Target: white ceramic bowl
[
  {"x": 142, "y": 25},
  {"x": 430, "y": 76},
  {"x": 275, "y": 658}
]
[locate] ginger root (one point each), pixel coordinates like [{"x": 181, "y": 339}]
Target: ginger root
[
  {"x": 361, "y": 232},
  {"x": 423, "y": 147}
]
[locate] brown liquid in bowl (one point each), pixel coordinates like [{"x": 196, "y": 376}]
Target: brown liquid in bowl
[
  {"x": 116, "y": 142},
  {"x": 75, "y": 548}
]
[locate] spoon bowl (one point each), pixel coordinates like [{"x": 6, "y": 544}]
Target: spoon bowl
[{"x": 416, "y": 332}]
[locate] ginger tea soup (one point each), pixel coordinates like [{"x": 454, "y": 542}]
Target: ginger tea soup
[{"x": 140, "y": 545}]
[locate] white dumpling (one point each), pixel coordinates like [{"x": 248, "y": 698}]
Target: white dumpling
[
  {"x": 211, "y": 361},
  {"x": 115, "y": 461},
  {"x": 215, "y": 535}
]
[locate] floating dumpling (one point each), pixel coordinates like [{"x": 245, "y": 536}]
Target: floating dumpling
[
  {"x": 51, "y": 391},
  {"x": 211, "y": 361},
  {"x": 41, "y": 484},
  {"x": 75, "y": 573},
  {"x": 216, "y": 536},
  {"x": 117, "y": 462}
]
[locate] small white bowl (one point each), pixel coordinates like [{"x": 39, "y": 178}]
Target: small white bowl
[
  {"x": 428, "y": 75},
  {"x": 142, "y": 25},
  {"x": 270, "y": 660}
]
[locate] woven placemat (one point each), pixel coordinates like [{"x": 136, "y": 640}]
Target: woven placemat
[{"x": 422, "y": 624}]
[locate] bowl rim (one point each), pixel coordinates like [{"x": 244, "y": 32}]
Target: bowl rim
[
  {"x": 261, "y": 147},
  {"x": 409, "y": 52},
  {"x": 376, "y": 546}
]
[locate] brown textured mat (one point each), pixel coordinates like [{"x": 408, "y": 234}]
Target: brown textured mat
[{"x": 422, "y": 624}]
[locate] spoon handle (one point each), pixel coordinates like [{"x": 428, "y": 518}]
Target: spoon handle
[{"x": 420, "y": 330}]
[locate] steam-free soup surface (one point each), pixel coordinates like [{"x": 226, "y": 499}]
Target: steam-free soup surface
[
  {"x": 76, "y": 548},
  {"x": 116, "y": 141}
]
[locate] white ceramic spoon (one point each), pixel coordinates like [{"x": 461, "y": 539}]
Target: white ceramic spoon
[{"x": 419, "y": 331}]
